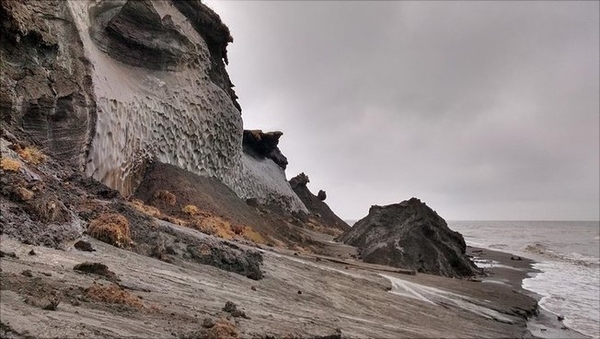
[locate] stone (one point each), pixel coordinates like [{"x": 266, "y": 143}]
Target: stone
[{"x": 322, "y": 195}]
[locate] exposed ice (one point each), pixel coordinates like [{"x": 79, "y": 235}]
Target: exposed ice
[
  {"x": 437, "y": 296},
  {"x": 177, "y": 117}
]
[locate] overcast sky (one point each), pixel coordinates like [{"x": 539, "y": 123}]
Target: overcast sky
[{"x": 484, "y": 110}]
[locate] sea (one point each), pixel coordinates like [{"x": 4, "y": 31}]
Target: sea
[{"x": 567, "y": 254}]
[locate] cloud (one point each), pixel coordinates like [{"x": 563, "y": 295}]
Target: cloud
[{"x": 485, "y": 110}]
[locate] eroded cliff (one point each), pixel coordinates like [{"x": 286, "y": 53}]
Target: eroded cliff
[{"x": 112, "y": 85}]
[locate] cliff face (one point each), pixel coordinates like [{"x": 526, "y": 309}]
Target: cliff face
[
  {"x": 109, "y": 85},
  {"x": 410, "y": 235},
  {"x": 45, "y": 83}
]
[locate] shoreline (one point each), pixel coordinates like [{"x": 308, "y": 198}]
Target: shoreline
[{"x": 509, "y": 269}]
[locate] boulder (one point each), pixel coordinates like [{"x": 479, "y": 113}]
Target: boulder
[
  {"x": 322, "y": 195},
  {"x": 410, "y": 235}
]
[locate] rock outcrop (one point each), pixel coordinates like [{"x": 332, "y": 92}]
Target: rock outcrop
[
  {"x": 317, "y": 207},
  {"x": 410, "y": 235},
  {"x": 109, "y": 86},
  {"x": 45, "y": 87},
  {"x": 264, "y": 145},
  {"x": 135, "y": 34}
]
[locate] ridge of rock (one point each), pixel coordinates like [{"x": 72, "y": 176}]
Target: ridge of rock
[
  {"x": 410, "y": 235},
  {"x": 316, "y": 205},
  {"x": 264, "y": 144}
]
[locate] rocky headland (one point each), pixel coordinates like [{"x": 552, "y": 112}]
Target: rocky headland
[
  {"x": 410, "y": 235},
  {"x": 134, "y": 204}
]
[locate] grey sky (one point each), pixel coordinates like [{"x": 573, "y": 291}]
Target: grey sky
[{"x": 484, "y": 110}]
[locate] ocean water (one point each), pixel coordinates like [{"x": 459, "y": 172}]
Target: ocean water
[{"x": 567, "y": 254}]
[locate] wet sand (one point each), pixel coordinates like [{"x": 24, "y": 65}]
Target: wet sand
[{"x": 508, "y": 269}]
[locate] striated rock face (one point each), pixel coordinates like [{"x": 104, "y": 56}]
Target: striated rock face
[
  {"x": 45, "y": 87},
  {"x": 135, "y": 34},
  {"x": 109, "y": 85},
  {"x": 316, "y": 205},
  {"x": 161, "y": 105},
  {"x": 410, "y": 235}
]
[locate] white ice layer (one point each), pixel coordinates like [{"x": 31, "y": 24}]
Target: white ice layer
[
  {"x": 181, "y": 118},
  {"x": 437, "y": 296},
  {"x": 266, "y": 180}
]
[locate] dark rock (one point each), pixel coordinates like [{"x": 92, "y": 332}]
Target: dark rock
[
  {"x": 243, "y": 262},
  {"x": 27, "y": 273},
  {"x": 560, "y": 317},
  {"x": 299, "y": 292},
  {"x": 264, "y": 145},
  {"x": 98, "y": 269},
  {"x": 410, "y": 235},
  {"x": 84, "y": 246},
  {"x": 136, "y": 35},
  {"x": 515, "y": 258},
  {"x": 253, "y": 288},
  {"x": 208, "y": 323},
  {"x": 8, "y": 254},
  {"x": 322, "y": 195},
  {"x": 315, "y": 205},
  {"x": 32, "y": 252},
  {"x": 232, "y": 309},
  {"x": 51, "y": 305},
  {"x": 336, "y": 335},
  {"x": 299, "y": 180}
]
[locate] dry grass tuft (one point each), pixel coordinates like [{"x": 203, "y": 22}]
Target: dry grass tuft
[
  {"x": 112, "y": 294},
  {"x": 11, "y": 165},
  {"x": 190, "y": 210},
  {"x": 223, "y": 329},
  {"x": 31, "y": 155},
  {"x": 219, "y": 329},
  {"x": 148, "y": 210},
  {"x": 252, "y": 235},
  {"x": 166, "y": 196},
  {"x": 173, "y": 220},
  {"x": 112, "y": 228},
  {"x": 214, "y": 226}
]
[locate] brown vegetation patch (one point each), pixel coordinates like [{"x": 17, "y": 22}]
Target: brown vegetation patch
[
  {"x": 148, "y": 210},
  {"x": 219, "y": 329},
  {"x": 213, "y": 225},
  {"x": 31, "y": 155},
  {"x": 113, "y": 294},
  {"x": 49, "y": 208},
  {"x": 111, "y": 228},
  {"x": 190, "y": 210},
  {"x": 166, "y": 196},
  {"x": 10, "y": 165}
]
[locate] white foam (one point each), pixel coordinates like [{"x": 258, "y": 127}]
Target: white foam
[{"x": 570, "y": 290}]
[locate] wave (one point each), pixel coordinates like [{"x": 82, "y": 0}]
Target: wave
[{"x": 573, "y": 258}]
